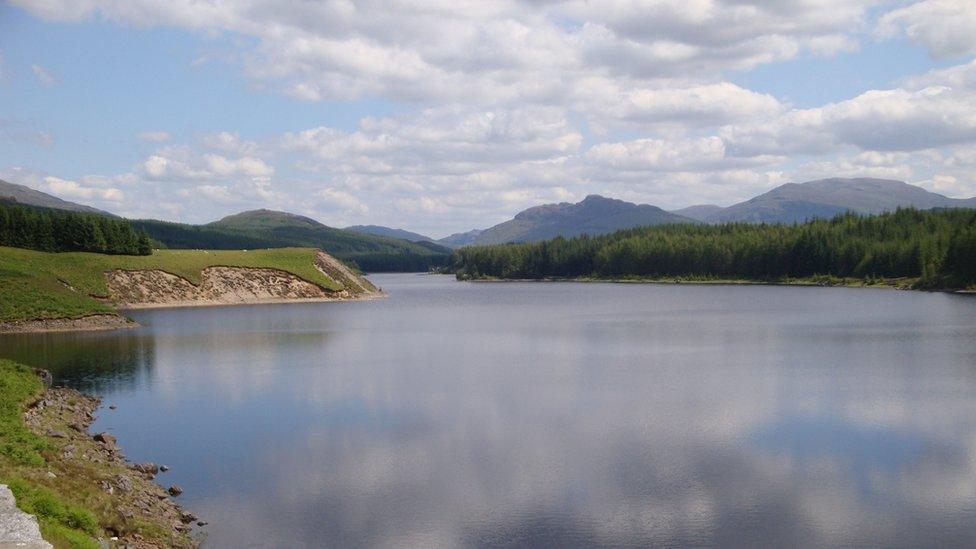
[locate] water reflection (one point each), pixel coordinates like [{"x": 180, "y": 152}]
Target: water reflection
[
  {"x": 561, "y": 415},
  {"x": 94, "y": 362}
]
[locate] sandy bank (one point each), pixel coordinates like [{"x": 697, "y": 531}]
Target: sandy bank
[{"x": 223, "y": 285}]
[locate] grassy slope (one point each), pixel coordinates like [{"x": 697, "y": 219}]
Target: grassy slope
[
  {"x": 31, "y": 282},
  {"x": 22, "y": 457},
  {"x": 70, "y": 507}
]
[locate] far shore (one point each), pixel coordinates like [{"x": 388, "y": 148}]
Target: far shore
[{"x": 886, "y": 284}]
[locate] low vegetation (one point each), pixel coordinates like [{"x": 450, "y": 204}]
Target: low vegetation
[
  {"x": 931, "y": 249},
  {"x": 39, "y": 285}
]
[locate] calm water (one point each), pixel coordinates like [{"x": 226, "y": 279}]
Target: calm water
[{"x": 460, "y": 414}]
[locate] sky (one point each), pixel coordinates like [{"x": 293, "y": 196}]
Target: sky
[{"x": 443, "y": 116}]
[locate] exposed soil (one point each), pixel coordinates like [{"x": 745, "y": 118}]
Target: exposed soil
[
  {"x": 145, "y": 515},
  {"x": 108, "y": 321},
  {"x": 233, "y": 285}
]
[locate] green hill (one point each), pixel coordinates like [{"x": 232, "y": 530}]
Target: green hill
[{"x": 272, "y": 229}]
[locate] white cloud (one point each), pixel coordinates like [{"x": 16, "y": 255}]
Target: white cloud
[
  {"x": 503, "y": 105},
  {"x": 490, "y": 53},
  {"x": 181, "y": 163},
  {"x": 72, "y": 190},
  {"x": 154, "y": 136},
  {"x": 946, "y": 27},
  {"x": 697, "y": 105},
  {"x": 43, "y": 76},
  {"x": 440, "y": 141}
]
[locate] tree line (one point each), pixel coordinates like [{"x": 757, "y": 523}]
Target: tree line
[
  {"x": 51, "y": 230},
  {"x": 936, "y": 246}
]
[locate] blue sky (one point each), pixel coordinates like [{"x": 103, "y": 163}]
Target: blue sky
[{"x": 442, "y": 120}]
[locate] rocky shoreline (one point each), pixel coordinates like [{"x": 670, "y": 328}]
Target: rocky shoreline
[
  {"x": 107, "y": 321},
  {"x": 141, "y": 513}
]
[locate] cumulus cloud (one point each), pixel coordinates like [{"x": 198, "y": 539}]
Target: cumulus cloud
[
  {"x": 440, "y": 141},
  {"x": 947, "y": 28},
  {"x": 503, "y": 105},
  {"x": 493, "y": 52},
  {"x": 181, "y": 163}
]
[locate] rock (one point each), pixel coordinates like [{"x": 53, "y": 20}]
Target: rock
[
  {"x": 107, "y": 487},
  {"x": 147, "y": 468},
  {"x": 46, "y": 378},
  {"x": 51, "y": 475},
  {"x": 202, "y": 523},
  {"x": 123, "y": 483},
  {"x": 105, "y": 438},
  {"x": 174, "y": 490},
  {"x": 57, "y": 434},
  {"x": 112, "y": 407},
  {"x": 164, "y": 468},
  {"x": 80, "y": 427},
  {"x": 187, "y": 517}
]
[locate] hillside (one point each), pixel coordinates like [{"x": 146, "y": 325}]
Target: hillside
[
  {"x": 698, "y": 212},
  {"x": 25, "y": 195},
  {"x": 272, "y": 229},
  {"x": 38, "y": 285},
  {"x": 825, "y": 198},
  {"x": 457, "y": 240},
  {"x": 593, "y": 215},
  {"x": 389, "y": 232},
  {"x": 908, "y": 248}
]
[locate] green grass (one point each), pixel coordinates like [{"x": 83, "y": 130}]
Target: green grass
[
  {"x": 62, "y": 523},
  {"x": 34, "y": 285}
]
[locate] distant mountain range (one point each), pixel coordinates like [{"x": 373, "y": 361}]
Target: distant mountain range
[
  {"x": 392, "y": 233},
  {"x": 789, "y": 203},
  {"x": 376, "y": 247},
  {"x": 797, "y": 202},
  {"x": 593, "y": 215},
  {"x": 20, "y": 194}
]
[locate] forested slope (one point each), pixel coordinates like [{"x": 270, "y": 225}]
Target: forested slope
[{"x": 935, "y": 248}]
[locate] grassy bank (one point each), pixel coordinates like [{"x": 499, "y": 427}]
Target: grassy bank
[
  {"x": 60, "y": 478},
  {"x": 40, "y": 285}
]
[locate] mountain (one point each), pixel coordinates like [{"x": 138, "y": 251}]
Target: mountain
[
  {"x": 593, "y": 215},
  {"x": 387, "y": 231},
  {"x": 25, "y": 195},
  {"x": 698, "y": 212},
  {"x": 457, "y": 240},
  {"x": 273, "y": 229},
  {"x": 796, "y": 202}
]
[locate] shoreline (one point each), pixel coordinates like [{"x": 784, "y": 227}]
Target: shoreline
[
  {"x": 79, "y": 484},
  {"x": 269, "y": 301},
  {"x": 112, "y": 321},
  {"x": 888, "y": 284},
  {"x": 89, "y": 323},
  {"x": 144, "y": 500}
]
